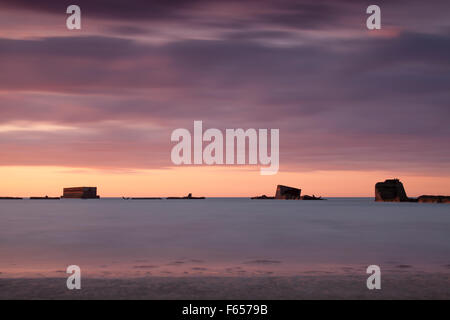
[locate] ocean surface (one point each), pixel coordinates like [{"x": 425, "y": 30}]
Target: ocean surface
[{"x": 221, "y": 237}]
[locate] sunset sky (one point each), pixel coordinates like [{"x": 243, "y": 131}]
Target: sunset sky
[{"x": 97, "y": 106}]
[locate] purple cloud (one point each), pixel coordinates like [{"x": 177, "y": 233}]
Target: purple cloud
[{"x": 341, "y": 97}]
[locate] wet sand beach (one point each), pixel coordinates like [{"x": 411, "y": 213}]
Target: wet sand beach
[{"x": 410, "y": 286}]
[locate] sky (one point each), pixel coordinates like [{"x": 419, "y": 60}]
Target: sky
[{"x": 97, "y": 106}]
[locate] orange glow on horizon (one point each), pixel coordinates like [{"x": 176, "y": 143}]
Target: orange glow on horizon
[{"x": 207, "y": 181}]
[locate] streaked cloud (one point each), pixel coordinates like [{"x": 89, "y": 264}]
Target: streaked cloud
[
  {"x": 34, "y": 127},
  {"x": 109, "y": 96}
]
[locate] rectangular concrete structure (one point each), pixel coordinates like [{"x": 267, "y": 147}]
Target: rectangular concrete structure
[
  {"x": 287, "y": 193},
  {"x": 80, "y": 193}
]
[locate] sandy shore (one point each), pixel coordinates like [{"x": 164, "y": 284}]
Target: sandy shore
[{"x": 410, "y": 286}]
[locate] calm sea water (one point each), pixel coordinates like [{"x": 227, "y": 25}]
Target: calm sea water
[{"x": 223, "y": 236}]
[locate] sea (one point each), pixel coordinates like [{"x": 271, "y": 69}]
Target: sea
[{"x": 232, "y": 237}]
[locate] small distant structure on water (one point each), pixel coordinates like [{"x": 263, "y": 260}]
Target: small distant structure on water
[
  {"x": 392, "y": 190},
  {"x": 142, "y": 198},
  {"x": 80, "y": 193},
  {"x": 189, "y": 196},
  {"x": 288, "y": 193},
  {"x": 44, "y": 198}
]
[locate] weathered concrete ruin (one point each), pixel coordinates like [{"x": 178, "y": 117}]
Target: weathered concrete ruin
[
  {"x": 287, "y": 193},
  {"x": 80, "y": 193},
  {"x": 434, "y": 199},
  {"x": 393, "y": 191},
  {"x": 390, "y": 190}
]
